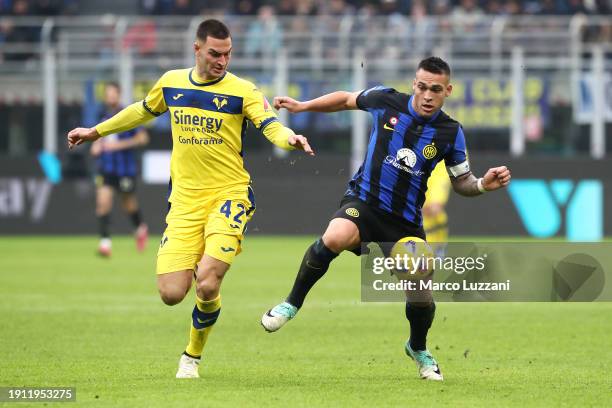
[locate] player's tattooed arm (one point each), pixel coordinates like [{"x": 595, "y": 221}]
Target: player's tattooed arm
[
  {"x": 468, "y": 185},
  {"x": 332, "y": 102}
]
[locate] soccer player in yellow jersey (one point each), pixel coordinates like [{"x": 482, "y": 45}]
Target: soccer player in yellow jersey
[
  {"x": 435, "y": 219},
  {"x": 210, "y": 201}
]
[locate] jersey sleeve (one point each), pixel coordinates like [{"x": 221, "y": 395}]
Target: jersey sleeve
[
  {"x": 127, "y": 118},
  {"x": 375, "y": 98},
  {"x": 257, "y": 109},
  {"x": 456, "y": 158},
  {"x": 154, "y": 102}
]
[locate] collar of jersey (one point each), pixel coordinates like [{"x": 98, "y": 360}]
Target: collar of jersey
[
  {"x": 419, "y": 117},
  {"x": 214, "y": 81}
]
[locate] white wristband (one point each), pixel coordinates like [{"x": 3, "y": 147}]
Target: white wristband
[{"x": 480, "y": 186}]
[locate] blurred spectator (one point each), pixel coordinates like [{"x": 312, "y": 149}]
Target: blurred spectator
[
  {"x": 466, "y": 16},
  {"x": 244, "y": 8},
  {"x": 494, "y": 7},
  {"x": 264, "y": 35},
  {"x": 442, "y": 9},
  {"x": 141, "y": 37},
  {"x": 6, "y": 7},
  {"x": 336, "y": 8},
  {"x": 148, "y": 6},
  {"x": 182, "y": 8},
  {"x": 544, "y": 7},
  {"x": 286, "y": 8},
  {"x": 307, "y": 8},
  {"x": 575, "y": 7},
  {"x": 47, "y": 7},
  {"x": 513, "y": 7},
  {"x": 389, "y": 7},
  {"x": 19, "y": 36}
]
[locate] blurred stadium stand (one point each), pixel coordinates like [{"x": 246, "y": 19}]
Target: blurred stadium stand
[{"x": 320, "y": 39}]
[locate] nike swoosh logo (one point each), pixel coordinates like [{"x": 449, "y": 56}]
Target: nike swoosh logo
[
  {"x": 175, "y": 97},
  {"x": 385, "y": 126},
  {"x": 235, "y": 226},
  {"x": 204, "y": 321},
  {"x": 227, "y": 249}
]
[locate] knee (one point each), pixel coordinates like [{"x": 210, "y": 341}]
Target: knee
[
  {"x": 208, "y": 286},
  {"x": 335, "y": 243},
  {"x": 171, "y": 295}
]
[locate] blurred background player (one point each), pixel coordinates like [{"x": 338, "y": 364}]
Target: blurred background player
[
  {"x": 435, "y": 219},
  {"x": 116, "y": 169}
]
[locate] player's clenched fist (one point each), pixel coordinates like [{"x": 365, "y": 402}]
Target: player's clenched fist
[
  {"x": 496, "y": 177},
  {"x": 79, "y": 135},
  {"x": 288, "y": 103}
]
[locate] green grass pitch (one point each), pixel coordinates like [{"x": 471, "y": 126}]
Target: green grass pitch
[{"x": 68, "y": 318}]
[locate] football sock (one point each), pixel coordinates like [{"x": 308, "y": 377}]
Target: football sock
[
  {"x": 136, "y": 218},
  {"x": 420, "y": 319},
  {"x": 103, "y": 223},
  {"x": 204, "y": 316},
  {"x": 314, "y": 265}
]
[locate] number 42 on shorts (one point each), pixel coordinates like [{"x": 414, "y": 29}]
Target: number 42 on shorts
[{"x": 226, "y": 209}]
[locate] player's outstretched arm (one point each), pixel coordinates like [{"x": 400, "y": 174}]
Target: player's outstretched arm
[
  {"x": 128, "y": 118},
  {"x": 141, "y": 138},
  {"x": 468, "y": 185},
  {"x": 332, "y": 102}
]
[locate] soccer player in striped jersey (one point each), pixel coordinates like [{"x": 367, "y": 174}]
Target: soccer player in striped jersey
[
  {"x": 211, "y": 199},
  {"x": 410, "y": 135},
  {"x": 116, "y": 169}
]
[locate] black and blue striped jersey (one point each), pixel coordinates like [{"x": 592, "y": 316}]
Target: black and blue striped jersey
[
  {"x": 120, "y": 163},
  {"x": 402, "y": 151}
]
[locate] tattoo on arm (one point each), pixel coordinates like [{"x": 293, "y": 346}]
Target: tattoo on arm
[{"x": 466, "y": 185}]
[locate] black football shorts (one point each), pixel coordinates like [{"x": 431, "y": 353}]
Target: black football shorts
[
  {"x": 123, "y": 184},
  {"x": 376, "y": 225}
]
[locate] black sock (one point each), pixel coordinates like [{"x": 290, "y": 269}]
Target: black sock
[
  {"x": 314, "y": 265},
  {"x": 103, "y": 222},
  {"x": 420, "y": 319},
  {"x": 136, "y": 218}
]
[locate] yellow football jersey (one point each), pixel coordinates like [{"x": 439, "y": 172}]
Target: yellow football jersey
[
  {"x": 209, "y": 120},
  {"x": 438, "y": 185}
]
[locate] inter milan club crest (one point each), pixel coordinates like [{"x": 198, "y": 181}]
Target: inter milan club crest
[{"x": 430, "y": 151}]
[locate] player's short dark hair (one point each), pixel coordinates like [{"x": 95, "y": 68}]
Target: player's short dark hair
[
  {"x": 212, "y": 28},
  {"x": 113, "y": 84},
  {"x": 435, "y": 65}
]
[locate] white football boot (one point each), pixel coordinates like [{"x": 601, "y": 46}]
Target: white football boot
[
  {"x": 188, "y": 367},
  {"x": 426, "y": 364},
  {"x": 276, "y": 317}
]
